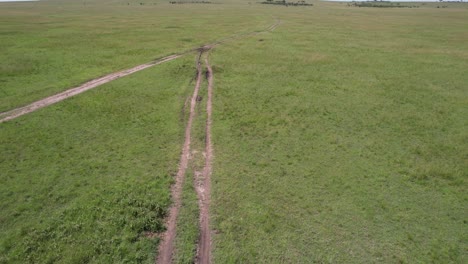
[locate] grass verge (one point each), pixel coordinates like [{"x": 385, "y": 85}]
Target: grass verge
[{"x": 187, "y": 224}]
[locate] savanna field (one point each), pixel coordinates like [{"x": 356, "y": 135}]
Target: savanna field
[{"x": 341, "y": 136}]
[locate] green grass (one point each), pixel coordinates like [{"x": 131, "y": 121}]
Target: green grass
[
  {"x": 187, "y": 223},
  {"x": 338, "y": 138},
  {"x": 87, "y": 179},
  {"x": 51, "y": 46},
  {"x": 349, "y": 145}
]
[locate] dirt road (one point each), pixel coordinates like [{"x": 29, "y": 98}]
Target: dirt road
[
  {"x": 166, "y": 248},
  {"x": 203, "y": 180},
  {"x": 5, "y": 116},
  {"x": 203, "y": 187}
]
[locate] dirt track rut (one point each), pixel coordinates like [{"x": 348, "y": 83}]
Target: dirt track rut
[
  {"x": 202, "y": 180},
  {"x": 80, "y": 89},
  {"x": 166, "y": 248},
  {"x": 204, "y": 183}
]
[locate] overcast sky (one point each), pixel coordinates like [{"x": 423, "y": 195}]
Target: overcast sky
[
  {"x": 389, "y": 0},
  {"x": 294, "y": 0}
]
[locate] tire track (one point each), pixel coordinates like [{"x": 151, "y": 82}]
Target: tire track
[
  {"x": 166, "y": 248},
  {"x": 203, "y": 187},
  {"x": 243, "y": 35},
  {"x": 203, "y": 180},
  {"x": 12, "y": 114}
]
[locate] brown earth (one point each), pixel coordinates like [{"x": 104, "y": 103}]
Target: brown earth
[
  {"x": 203, "y": 180},
  {"x": 166, "y": 248}
]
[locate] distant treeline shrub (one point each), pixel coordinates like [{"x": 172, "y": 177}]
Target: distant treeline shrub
[
  {"x": 284, "y": 3},
  {"x": 190, "y": 2},
  {"x": 381, "y": 4}
]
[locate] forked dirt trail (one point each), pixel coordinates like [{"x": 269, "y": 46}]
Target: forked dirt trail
[
  {"x": 203, "y": 180},
  {"x": 5, "y": 116},
  {"x": 166, "y": 248},
  {"x": 203, "y": 187},
  {"x": 14, "y": 113}
]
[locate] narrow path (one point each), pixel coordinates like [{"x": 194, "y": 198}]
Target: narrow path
[
  {"x": 166, "y": 248},
  {"x": 204, "y": 184},
  {"x": 9, "y": 115}
]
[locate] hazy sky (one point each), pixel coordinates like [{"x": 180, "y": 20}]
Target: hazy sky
[
  {"x": 391, "y": 0},
  {"x": 17, "y": 0},
  {"x": 292, "y": 0}
]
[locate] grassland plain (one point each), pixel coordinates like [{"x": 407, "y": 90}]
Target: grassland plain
[
  {"x": 87, "y": 180},
  {"x": 53, "y": 45},
  {"x": 349, "y": 145}
]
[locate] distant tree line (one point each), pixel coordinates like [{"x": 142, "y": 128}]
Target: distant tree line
[
  {"x": 284, "y": 3},
  {"x": 190, "y": 2},
  {"x": 381, "y": 4}
]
